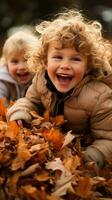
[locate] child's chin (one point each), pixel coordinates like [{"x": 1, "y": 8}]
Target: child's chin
[
  {"x": 63, "y": 90},
  {"x": 23, "y": 82}
]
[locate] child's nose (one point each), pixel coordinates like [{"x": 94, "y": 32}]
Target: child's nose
[
  {"x": 65, "y": 64},
  {"x": 22, "y": 65}
]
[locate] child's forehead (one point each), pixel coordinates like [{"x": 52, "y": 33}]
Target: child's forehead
[
  {"x": 58, "y": 45},
  {"x": 16, "y": 53}
]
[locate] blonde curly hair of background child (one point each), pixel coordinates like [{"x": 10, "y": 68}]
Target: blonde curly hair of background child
[
  {"x": 21, "y": 40},
  {"x": 71, "y": 28}
]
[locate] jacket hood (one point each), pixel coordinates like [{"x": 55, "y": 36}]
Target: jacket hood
[{"x": 5, "y": 76}]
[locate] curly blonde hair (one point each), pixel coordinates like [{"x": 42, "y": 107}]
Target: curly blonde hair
[{"x": 72, "y": 29}]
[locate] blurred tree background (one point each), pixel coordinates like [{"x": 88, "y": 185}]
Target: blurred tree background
[{"x": 30, "y": 12}]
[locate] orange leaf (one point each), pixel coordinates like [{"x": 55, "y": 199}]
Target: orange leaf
[
  {"x": 54, "y": 136},
  {"x": 12, "y": 130},
  {"x": 3, "y": 109},
  {"x": 58, "y": 120},
  {"x": 34, "y": 193},
  {"x": 30, "y": 191},
  {"x": 11, "y": 103},
  {"x": 84, "y": 188},
  {"x": 3, "y": 126},
  {"x": 46, "y": 115}
]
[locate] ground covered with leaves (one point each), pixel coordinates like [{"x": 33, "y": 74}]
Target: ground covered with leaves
[{"x": 42, "y": 163}]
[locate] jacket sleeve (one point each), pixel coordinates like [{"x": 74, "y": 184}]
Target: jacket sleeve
[
  {"x": 101, "y": 124},
  {"x": 22, "y": 107}
]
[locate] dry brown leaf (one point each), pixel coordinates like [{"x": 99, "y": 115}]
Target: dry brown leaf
[
  {"x": 62, "y": 189},
  {"x": 68, "y": 138},
  {"x": 36, "y": 115},
  {"x": 42, "y": 163},
  {"x": 30, "y": 191},
  {"x": 34, "y": 193},
  {"x": 52, "y": 197},
  {"x": 72, "y": 163},
  {"x": 1, "y": 180},
  {"x": 5, "y": 157},
  {"x": 84, "y": 187},
  {"x": 36, "y": 122},
  {"x": 29, "y": 170},
  {"x": 46, "y": 115},
  {"x": 23, "y": 155},
  {"x": 42, "y": 176},
  {"x": 56, "y": 164},
  {"x": 12, "y": 184},
  {"x": 64, "y": 176}
]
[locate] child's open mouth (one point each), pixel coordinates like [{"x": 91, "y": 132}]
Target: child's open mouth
[
  {"x": 23, "y": 78},
  {"x": 64, "y": 78},
  {"x": 22, "y": 75}
]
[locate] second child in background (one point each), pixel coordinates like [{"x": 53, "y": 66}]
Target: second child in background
[{"x": 15, "y": 77}]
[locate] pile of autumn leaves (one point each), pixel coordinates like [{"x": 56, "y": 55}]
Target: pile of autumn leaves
[{"x": 41, "y": 163}]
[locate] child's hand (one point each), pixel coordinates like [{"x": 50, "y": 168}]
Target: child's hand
[
  {"x": 93, "y": 154},
  {"x": 20, "y": 123},
  {"x": 13, "y": 114},
  {"x": 23, "y": 124}
]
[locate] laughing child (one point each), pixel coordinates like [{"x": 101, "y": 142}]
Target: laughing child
[
  {"x": 15, "y": 77},
  {"x": 71, "y": 61}
]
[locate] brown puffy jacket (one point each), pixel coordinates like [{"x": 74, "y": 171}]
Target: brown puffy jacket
[{"x": 88, "y": 110}]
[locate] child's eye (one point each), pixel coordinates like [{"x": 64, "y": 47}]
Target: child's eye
[
  {"x": 14, "y": 61},
  {"x": 76, "y": 59},
  {"x": 57, "y": 57}
]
